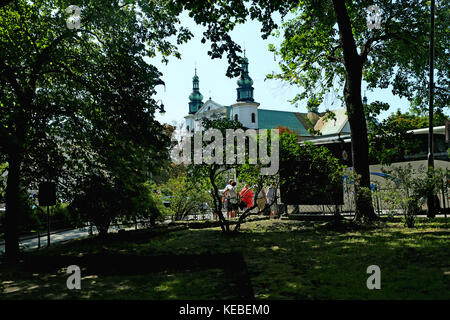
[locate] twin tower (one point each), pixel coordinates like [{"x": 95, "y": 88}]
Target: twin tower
[{"x": 244, "y": 89}]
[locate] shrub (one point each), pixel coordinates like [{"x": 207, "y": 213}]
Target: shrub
[
  {"x": 101, "y": 202},
  {"x": 410, "y": 188},
  {"x": 186, "y": 197}
]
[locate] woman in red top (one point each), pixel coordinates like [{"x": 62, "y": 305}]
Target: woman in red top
[{"x": 246, "y": 195}]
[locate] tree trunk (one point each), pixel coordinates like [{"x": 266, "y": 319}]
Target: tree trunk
[
  {"x": 102, "y": 226},
  {"x": 217, "y": 201},
  {"x": 13, "y": 206},
  {"x": 352, "y": 95}
]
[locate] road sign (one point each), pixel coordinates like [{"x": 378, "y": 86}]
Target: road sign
[{"x": 47, "y": 194}]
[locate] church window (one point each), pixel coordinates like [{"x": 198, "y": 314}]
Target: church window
[
  {"x": 236, "y": 117},
  {"x": 253, "y": 118}
]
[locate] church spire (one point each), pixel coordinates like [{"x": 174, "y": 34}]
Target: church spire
[
  {"x": 196, "y": 97},
  {"x": 245, "y": 89}
]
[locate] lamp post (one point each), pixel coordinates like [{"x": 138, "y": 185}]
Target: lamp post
[
  {"x": 161, "y": 105},
  {"x": 430, "y": 197}
]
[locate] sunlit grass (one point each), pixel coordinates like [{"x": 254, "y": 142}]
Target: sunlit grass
[{"x": 285, "y": 260}]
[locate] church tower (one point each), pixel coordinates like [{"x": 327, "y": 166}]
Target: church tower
[
  {"x": 245, "y": 89},
  {"x": 196, "y": 97},
  {"x": 245, "y": 110}
]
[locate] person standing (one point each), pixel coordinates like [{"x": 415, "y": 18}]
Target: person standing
[
  {"x": 272, "y": 200},
  {"x": 261, "y": 200},
  {"x": 247, "y": 196},
  {"x": 234, "y": 199},
  {"x": 226, "y": 196}
]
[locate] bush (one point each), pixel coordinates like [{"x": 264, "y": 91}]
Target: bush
[
  {"x": 409, "y": 189},
  {"x": 186, "y": 197},
  {"x": 101, "y": 202}
]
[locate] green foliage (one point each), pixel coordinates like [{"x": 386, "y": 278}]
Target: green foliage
[
  {"x": 389, "y": 139},
  {"x": 374, "y": 109},
  {"x": 409, "y": 188},
  {"x": 3, "y": 178},
  {"x": 313, "y": 104},
  {"x": 213, "y": 177},
  {"x": 101, "y": 201},
  {"x": 308, "y": 171},
  {"x": 317, "y": 158},
  {"x": 186, "y": 196},
  {"x": 412, "y": 121},
  {"x": 319, "y": 57},
  {"x": 77, "y": 104}
]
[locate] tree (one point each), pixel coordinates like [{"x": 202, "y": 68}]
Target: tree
[
  {"x": 328, "y": 44},
  {"x": 282, "y": 130},
  {"x": 390, "y": 139},
  {"x": 101, "y": 201},
  {"x": 80, "y": 95},
  {"x": 210, "y": 175},
  {"x": 413, "y": 120},
  {"x": 186, "y": 196},
  {"x": 308, "y": 173},
  {"x": 215, "y": 174}
]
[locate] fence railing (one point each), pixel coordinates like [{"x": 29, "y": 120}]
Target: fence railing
[{"x": 380, "y": 199}]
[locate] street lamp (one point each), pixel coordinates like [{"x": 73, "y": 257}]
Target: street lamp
[
  {"x": 430, "y": 198},
  {"x": 163, "y": 112}
]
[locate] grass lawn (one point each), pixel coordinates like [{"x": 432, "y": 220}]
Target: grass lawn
[{"x": 284, "y": 260}]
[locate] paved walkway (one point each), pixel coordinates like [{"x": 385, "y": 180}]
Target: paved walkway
[{"x": 32, "y": 243}]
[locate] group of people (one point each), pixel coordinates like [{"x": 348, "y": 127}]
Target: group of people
[{"x": 232, "y": 199}]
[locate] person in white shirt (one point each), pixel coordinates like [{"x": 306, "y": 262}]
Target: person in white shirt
[
  {"x": 233, "y": 199},
  {"x": 226, "y": 196}
]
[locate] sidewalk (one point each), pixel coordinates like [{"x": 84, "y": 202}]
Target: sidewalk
[
  {"x": 27, "y": 243},
  {"x": 31, "y": 242}
]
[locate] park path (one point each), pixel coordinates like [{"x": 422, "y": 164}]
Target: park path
[{"x": 33, "y": 243}]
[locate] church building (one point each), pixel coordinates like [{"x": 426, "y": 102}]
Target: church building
[{"x": 247, "y": 111}]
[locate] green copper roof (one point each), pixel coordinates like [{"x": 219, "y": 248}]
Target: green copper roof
[
  {"x": 244, "y": 90},
  {"x": 196, "y": 96},
  {"x": 245, "y": 82},
  {"x": 270, "y": 119}
]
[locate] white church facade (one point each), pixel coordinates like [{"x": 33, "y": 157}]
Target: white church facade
[{"x": 247, "y": 112}]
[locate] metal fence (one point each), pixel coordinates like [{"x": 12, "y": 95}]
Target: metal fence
[{"x": 382, "y": 203}]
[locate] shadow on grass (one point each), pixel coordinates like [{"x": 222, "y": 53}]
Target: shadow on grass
[
  {"x": 235, "y": 282},
  {"x": 283, "y": 260}
]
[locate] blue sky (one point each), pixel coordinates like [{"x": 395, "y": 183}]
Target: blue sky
[{"x": 271, "y": 94}]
